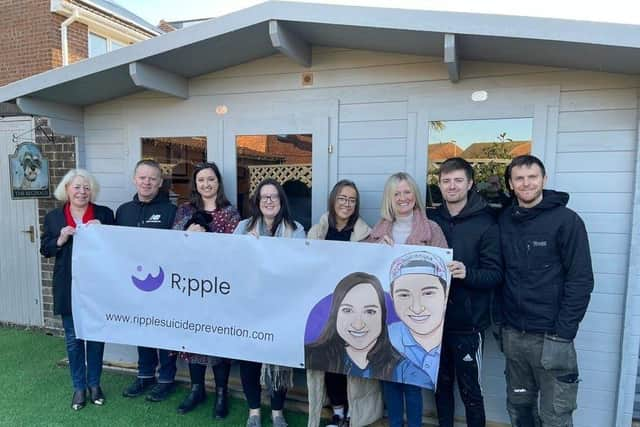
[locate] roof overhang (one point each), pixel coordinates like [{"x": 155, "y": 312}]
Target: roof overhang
[{"x": 292, "y": 28}]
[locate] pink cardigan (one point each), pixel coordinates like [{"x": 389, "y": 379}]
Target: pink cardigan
[{"x": 423, "y": 232}]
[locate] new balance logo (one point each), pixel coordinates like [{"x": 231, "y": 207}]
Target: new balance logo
[{"x": 155, "y": 218}]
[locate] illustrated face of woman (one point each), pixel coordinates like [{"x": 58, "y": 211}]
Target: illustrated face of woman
[
  {"x": 359, "y": 321},
  {"x": 79, "y": 192},
  {"x": 404, "y": 200},
  {"x": 269, "y": 201},
  {"x": 207, "y": 184},
  {"x": 345, "y": 204}
]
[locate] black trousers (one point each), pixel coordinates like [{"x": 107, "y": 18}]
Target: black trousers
[
  {"x": 336, "y": 385},
  {"x": 221, "y": 371},
  {"x": 461, "y": 360},
  {"x": 250, "y": 377}
]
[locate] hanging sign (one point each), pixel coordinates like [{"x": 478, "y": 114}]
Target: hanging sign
[{"x": 29, "y": 172}]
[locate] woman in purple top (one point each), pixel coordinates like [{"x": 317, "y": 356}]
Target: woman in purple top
[{"x": 207, "y": 211}]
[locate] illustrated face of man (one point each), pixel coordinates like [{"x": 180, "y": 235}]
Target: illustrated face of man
[
  {"x": 148, "y": 181},
  {"x": 454, "y": 186},
  {"x": 527, "y": 183},
  {"x": 359, "y": 321},
  {"x": 419, "y": 301}
]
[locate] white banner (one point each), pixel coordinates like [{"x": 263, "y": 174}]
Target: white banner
[{"x": 264, "y": 299}]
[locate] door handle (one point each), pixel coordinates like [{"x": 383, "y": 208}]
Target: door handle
[{"x": 32, "y": 233}]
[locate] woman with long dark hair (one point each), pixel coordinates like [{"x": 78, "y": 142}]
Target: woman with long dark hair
[
  {"x": 207, "y": 211},
  {"x": 78, "y": 190},
  {"x": 270, "y": 217},
  {"x": 341, "y": 222}
]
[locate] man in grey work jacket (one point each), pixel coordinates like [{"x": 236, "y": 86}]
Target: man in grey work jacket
[{"x": 548, "y": 283}]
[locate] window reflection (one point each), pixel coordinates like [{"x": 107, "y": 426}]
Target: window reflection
[{"x": 489, "y": 145}]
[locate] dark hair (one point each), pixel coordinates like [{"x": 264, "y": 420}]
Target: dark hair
[
  {"x": 524, "y": 160},
  {"x": 148, "y": 162},
  {"x": 283, "y": 216},
  {"x": 329, "y": 350},
  {"x": 456, "y": 164},
  {"x": 196, "y": 198},
  {"x": 331, "y": 205}
]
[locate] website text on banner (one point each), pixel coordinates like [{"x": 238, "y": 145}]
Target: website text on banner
[{"x": 362, "y": 309}]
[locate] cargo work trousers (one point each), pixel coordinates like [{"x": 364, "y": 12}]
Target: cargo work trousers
[{"x": 542, "y": 379}]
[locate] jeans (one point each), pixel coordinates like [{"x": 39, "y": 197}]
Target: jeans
[
  {"x": 460, "y": 360},
  {"x": 336, "y": 385},
  {"x": 82, "y": 375},
  {"x": 148, "y": 361},
  {"x": 399, "y": 395},
  {"x": 250, "y": 376},
  {"x": 542, "y": 379}
]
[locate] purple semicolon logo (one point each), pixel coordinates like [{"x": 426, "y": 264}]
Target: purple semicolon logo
[{"x": 149, "y": 283}]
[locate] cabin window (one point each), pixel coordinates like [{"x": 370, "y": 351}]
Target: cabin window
[
  {"x": 489, "y": 145},
  {"x": 286, "y": 158},
  {"x": 177, "y": 157}
]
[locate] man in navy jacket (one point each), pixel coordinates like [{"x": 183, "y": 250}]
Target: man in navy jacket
[
  {"x": 150, "y": 208},
  {"x": 548, "y": 283},
  {"x": 470, "y": 228}
]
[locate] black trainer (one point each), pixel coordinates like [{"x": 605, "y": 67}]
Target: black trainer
[
  {"x": 193, "y": 399},
  {"x": 221, "y": 408},
  {"x": 138, "y": 387},
  {"x": 161, "y": 391}
]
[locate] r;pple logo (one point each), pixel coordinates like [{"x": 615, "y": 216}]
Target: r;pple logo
[
  {"x": 192, "y": 285},
  {"x": 149, "y": 283},
  {"x": 186, "y": 285}
]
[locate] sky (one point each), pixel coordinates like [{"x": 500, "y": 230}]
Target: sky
[{"x": 620, "y": 11}]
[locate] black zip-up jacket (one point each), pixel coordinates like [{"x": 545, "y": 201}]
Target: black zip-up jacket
[
  {"x": 548, "y": 272},
  {"x": 158, "y": 213},
  {"x": 473, "y": 234}
]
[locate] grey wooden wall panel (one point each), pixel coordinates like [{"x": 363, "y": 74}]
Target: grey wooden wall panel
[
  {"x": 375, "y": 147},
  {"x": 95, "y": 164},
  {"x": 607, "y": 223},
  {"x": 609, "y": 203},
  {"x": 609, "y": 263},
  {"x": 105, "y": 150},
  {"x": 618, "y": 161},
  {"x": 380, "y": 129},
  {"x": 614, "y": 283},
  {"x": 607, "y": 141},
  {"x": 595, "y": 182},
  {"x": 581, "y": 121},
  {"x": 371, "y": 165},
  {"x": 609, "y": 243},
  {"x": 598, "y": 99},
  {"x": 373, "y": 111}
]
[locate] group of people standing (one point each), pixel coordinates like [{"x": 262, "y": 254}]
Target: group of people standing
[{"x": 533, "y": 259}]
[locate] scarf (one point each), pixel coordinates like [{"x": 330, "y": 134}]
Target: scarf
[{"x": 88, "y": 215}]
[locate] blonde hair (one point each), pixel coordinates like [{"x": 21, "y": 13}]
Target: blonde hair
[
  {"x": 386, "y": 210},
  {"x": 61, "y": 190}
]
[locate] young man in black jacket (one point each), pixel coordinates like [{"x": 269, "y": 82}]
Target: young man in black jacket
[
  {"x": 471, "y": 230},
  {"x": 548, "y": 283},
  {"x": 150, "y": 208}
]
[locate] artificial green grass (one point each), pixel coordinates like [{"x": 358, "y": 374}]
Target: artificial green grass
[{"x": 37, "y": 392}]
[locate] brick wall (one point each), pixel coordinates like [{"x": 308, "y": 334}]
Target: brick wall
[
  {"x": 61, "y": 155},
  {"x": 30, "y": 39}
]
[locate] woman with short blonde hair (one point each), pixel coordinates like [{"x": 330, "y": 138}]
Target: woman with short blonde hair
[{"x": 78, "y": 189}]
